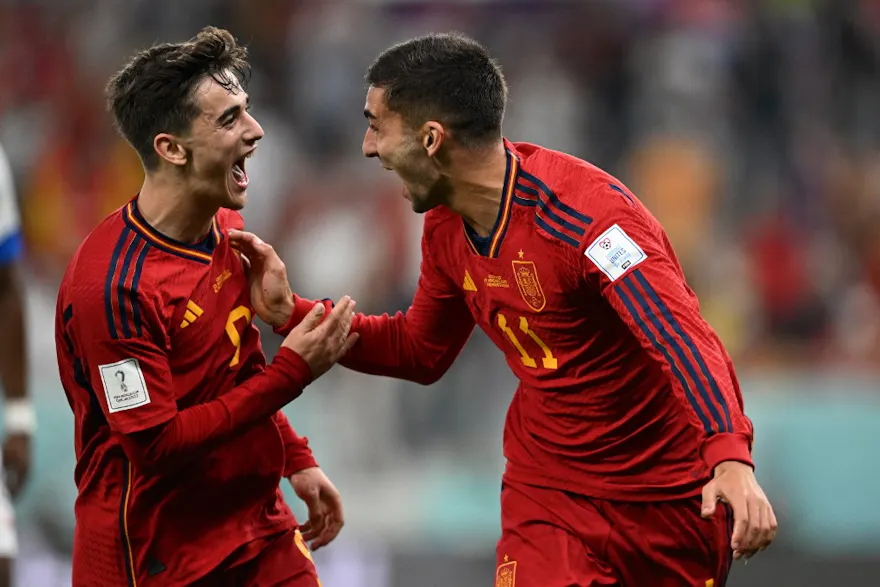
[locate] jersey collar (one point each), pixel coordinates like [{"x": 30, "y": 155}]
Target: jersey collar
[
  {"x": 201, "y": 251},
  {"x": 488, "y": 246}
]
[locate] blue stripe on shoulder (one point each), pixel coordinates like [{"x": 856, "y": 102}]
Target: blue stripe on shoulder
[
  {"x": 135, "y": 282},
  {"x": 108, "y": 283},
  {"x": 555, "y": 233},
  {"x": 617, "y": 188},
  {"x": 555, "y": 200}
]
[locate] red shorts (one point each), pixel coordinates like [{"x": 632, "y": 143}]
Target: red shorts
[
  {"x": 551, "y": 538},
  {"x": 284, "y": 562}
]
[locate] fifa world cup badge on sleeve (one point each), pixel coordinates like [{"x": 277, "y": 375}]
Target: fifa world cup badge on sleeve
[
  {"x": 614, "y": 253},
  {"x": 124, "y": 385},
  {"x": 526, "y": 274},
  {"x": 505, "y": 576}
]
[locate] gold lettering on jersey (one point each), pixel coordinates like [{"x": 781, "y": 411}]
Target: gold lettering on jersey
[
  {"x": 505, "y": 576},
  {"x": 468, "y": 284},
  {"x": 221, "y": 279},
  {"x": 193, "y": 311},
  {"x": 496, "y": 281},
  {"x": 526, "y": 275}
]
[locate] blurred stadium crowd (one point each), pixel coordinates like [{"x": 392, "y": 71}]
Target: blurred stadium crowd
[{"x": 749, "y": 127}]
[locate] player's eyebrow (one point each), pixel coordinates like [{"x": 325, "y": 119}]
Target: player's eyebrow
[
  {"x": 369, "y": 115},
  {"x": 232, "y": 111}
]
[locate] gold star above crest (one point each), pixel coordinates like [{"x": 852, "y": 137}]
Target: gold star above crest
[
  {"x": 521, "y": 254},
  {"x": 507, "y": 558}
]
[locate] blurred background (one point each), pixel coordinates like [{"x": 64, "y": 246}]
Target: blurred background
[{"x": 751, "y": 128}]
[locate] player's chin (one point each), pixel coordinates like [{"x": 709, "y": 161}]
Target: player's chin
[{"x": 236, "y": 196}]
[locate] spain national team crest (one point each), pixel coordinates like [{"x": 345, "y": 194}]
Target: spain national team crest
[
  {"x": 526, "y": 275},
  {"x": 505, "y": 576}
]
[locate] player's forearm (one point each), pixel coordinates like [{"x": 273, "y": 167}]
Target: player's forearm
[
  {"x": 196, "y": 430},
  {"x": 388, "y": 347},
  {"x": 297, "y": 454},
  {"x": 417, "y": 346},
  {"x": 13, "y": 359},
  {"x": 667, "y": 323}
]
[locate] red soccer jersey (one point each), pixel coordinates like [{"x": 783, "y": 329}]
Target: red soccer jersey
[
  {"x": 625, "y": 392},
  {"x": 179, "y": 444}
]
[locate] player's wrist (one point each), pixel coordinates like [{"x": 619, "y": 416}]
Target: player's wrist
[
  {"x": 19, "y": 416},
  {"x": 727, "y": 446},
  {"x": 282, "y": 313}
]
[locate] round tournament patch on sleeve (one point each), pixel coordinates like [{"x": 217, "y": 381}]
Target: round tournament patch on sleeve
[{"x": 614, "y": 252}]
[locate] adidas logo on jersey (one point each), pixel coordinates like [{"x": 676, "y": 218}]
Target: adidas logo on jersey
[
  {"x": 468, "y": 284},
  {"x": 193, "y": 311}
]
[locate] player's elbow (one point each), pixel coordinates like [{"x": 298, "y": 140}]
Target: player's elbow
[
  {"x": 427, "y": 377},
  {"x": 146, "y": 451}
]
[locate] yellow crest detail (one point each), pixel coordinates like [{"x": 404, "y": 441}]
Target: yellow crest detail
[
  {"x": 468, "y": 284},
  {"x": 505, "y": 576},
  {"x": 526, "y": 275}
]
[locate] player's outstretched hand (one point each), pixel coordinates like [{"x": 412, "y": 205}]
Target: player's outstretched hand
[
  {"x": 322, "y": 344},
  {"x": 270, "y": 290},
  {"x": 324, "y": 503},
  {"x": 754, "y": 523}
]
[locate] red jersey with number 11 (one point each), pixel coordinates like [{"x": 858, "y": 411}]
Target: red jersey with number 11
[{"x": 625, "y": 392}]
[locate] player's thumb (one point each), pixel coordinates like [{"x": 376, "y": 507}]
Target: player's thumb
[
  {"x": 313, "y": 318},
  {"x": 710, "y": 499}
]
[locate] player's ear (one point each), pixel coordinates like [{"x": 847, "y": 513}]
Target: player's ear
[
  {"x": 170, "y": 149},
  {"x": 433, "y": 135}
]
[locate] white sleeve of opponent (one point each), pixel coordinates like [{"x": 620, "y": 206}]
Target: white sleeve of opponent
[{"x": 10, "y": 222}]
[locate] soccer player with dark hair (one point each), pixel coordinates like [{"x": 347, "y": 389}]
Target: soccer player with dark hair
[
  {"x": 179, "y": 440},
  {"x": 627, "y": 428}
]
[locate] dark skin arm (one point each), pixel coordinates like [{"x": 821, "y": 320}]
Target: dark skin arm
[{"x": 13, "y": 371}]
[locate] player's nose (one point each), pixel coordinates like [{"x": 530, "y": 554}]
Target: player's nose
[
  {"x": 369, "y": 145},
  {"x": 254, "y": 132}
]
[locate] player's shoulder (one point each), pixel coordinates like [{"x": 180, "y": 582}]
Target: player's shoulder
[
  {"x": 110, "y": 262},
  {"x": 571, "y": 196},
  {"x": 440, "y": 222}
]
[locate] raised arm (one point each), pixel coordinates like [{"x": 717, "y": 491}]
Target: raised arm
[{"x": 417, "y": 345}]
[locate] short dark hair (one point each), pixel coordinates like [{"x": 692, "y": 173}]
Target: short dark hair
[
  {"x": 447, "y": 77},
  {"x": 154, "y": 92}
]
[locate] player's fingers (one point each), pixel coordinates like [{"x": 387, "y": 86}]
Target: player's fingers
[
  {"x": 768, "y": 526},
  {"x": 773, "y": 524},
  {"x": 241, "y": 239},
  {"x": 755, "y": 533},
  {"x": 245, "y": 262},
  {"x": 710, "y": 499},
  {"x": 312, "y": 319},
  {"x": 331, "y": 531},
  {"x": 740, "y": 522},
  {"x": 308, "y": 533},
  {"x": 338, "y": 318},
  {"x": 350, "y": 341}
]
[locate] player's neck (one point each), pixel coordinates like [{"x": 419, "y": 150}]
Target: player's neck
[
  {"x": 477, "y": 187},
  {"x": 165, "y": 207}
]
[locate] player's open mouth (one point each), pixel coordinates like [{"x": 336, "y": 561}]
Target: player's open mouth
[{"x": 239, "y": 176}]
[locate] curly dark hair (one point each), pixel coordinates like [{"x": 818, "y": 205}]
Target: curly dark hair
[
  {"x": 447, "y": 77},
  {"x": 154, "y": 92}
]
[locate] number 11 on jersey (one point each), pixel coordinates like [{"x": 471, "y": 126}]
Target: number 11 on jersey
[{"x": 548, "y": 361}]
